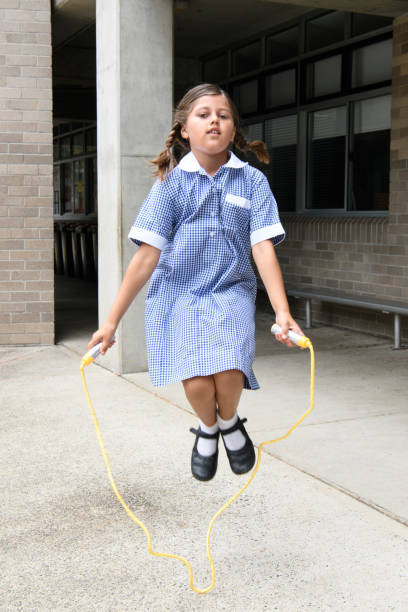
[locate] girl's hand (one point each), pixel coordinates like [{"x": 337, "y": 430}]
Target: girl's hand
[
  {"x": 286, "y": 322},
  {"x": 104, "y": 334}
]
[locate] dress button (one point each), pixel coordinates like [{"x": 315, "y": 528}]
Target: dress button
[
  {"x": 213, "y": 213},
  {"x": 212, "y": 234},
  {"x": 214, "y": 190}
]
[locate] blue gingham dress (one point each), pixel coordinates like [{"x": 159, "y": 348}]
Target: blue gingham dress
[{"x": 200, "y": 305}]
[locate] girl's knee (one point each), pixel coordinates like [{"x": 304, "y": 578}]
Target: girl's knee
[
  {"x": 229, "y": 378},
  {"x": 199, "y": 387}
]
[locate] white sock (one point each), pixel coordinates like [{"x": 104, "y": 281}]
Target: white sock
[
  {"x": 234, "y": 440},
  {"x": 207, "y": 446}
]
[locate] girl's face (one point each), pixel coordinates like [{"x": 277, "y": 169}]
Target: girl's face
[{"x": 210, "y": 125}]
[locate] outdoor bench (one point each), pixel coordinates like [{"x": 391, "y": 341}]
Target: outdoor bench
[{"x": 378, "y": 304}]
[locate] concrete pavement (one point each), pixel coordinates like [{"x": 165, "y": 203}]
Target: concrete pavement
[{"x": 322, "y": 527}]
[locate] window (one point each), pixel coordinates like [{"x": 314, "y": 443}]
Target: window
[
  {"x": 78, "y": 143},
  {"x": 327, "y": 149},
  {"x": 67, "y": 190},
  {"x": 324, "y": 77},
  {"x": 56, "y": 149},
  {"x": 65, "y": 147},
  {"x": 247, "y": 58},
  {"x": 252, "y": 132},
  {"x": 65, "y": 127},
  {"x": 324, "y": 30},
  {"x": 216, "y": 69},
  {"x": 319, "y": 102},
  {"x": 57, "y": 190},
  {"x": 362, "y": 23},
  {"x": 281, "y": 140},
  {"x": 90, "y": 136},
  {"x": 370, "y": 156},
  {"x": 79, "y": 180},
  {"x": 280, "y": 88},
  {"x": 372, "y": 63},
  {"x": 282, "y": 46},
  {"x": 75, "y": 165},
  {"x": 245, "y": 97},
  {"x": 93, "y": 185}
]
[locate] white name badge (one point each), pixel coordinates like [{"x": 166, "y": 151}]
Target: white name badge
[{"x": 238, "y": 200}]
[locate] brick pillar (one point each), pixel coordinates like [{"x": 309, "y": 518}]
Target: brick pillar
[
  {"x": 26, "y": 203},
  {"x": 398, "y": 218}
]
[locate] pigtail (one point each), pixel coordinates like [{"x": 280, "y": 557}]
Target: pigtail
[
  {"x": 256, "y": 146},
  {"x": 165, "y": 161}
]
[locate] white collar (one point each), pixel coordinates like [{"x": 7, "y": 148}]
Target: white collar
[{"x": 189, "y": 162}]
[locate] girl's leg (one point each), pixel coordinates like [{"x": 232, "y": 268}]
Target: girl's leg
[
  {"x": 228, "y": 389},
  {"x": 200, "y": 392},
  {"x": 239, "y": 447}
]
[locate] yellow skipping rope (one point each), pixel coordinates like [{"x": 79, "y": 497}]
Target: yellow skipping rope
[{"x": 89, "y": 357}]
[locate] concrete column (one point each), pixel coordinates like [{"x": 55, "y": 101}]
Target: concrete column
[{"x": 134, "y": 106}]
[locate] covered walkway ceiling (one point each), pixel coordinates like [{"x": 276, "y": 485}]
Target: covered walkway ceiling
[
  {"x": 389, "y": 8},
  {"x": 215, "y": 19},
  {"x": 200, "y": 26}
]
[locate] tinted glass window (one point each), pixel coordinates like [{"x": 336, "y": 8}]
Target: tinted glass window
[
  {"x": 90, "y": 140},
  {"x": 57, "y": 190},
  {"x": 247, "y": 58},
  {"x": 280, "y": 88},
  {"x": 245, "y": 97},
  {"x": 324, "y": 30},
  {"x": 370, "y": 159},
  {"x": 324, "y": 77},
  {"x": 216, "y": 69},
  {"x": 79, "y": 186},
  {"x": 65, "y": 147},
  {"x": 282, "y": 46},
  {"x": 365, "y": 23},
  {"x": 252, "y": 132},
  {"x": 327, "y": 158},
  {"x": 67, "y": 182},
  {"x": 281, "y": 140},
  {"x": 372, "y": 64},
  {"x": 78, "y": 143}
]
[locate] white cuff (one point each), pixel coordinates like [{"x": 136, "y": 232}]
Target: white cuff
[
  {"x": 139, "y": 235},
  {"x": 269, "y": 231}
]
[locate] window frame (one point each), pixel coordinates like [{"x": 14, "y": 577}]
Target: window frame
[
  {"x": 59, "y": 134},
  {"x": 304, "y": 105},
  {"x": 289, "y": 105}
]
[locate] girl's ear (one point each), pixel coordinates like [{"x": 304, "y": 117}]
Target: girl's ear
[
  {"x": 183, "y": 132},
  {"x": 234, "y": 134}
]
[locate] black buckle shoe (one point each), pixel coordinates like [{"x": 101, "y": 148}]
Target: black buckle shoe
[
  {"x": 242, "y": 460},
  {"x": 203, "y": 468}
]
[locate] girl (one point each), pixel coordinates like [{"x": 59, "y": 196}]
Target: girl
[{"x": 196, "y": 231}]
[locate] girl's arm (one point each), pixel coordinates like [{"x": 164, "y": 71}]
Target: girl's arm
[
  {"x": 269, "y": 270},
  {"x": 139, "y": 271}
]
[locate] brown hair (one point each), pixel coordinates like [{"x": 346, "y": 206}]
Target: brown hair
[{"x": 166, "y": 160}]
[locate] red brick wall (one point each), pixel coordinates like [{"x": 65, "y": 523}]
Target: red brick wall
[{"x": 26, "y": 223}]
